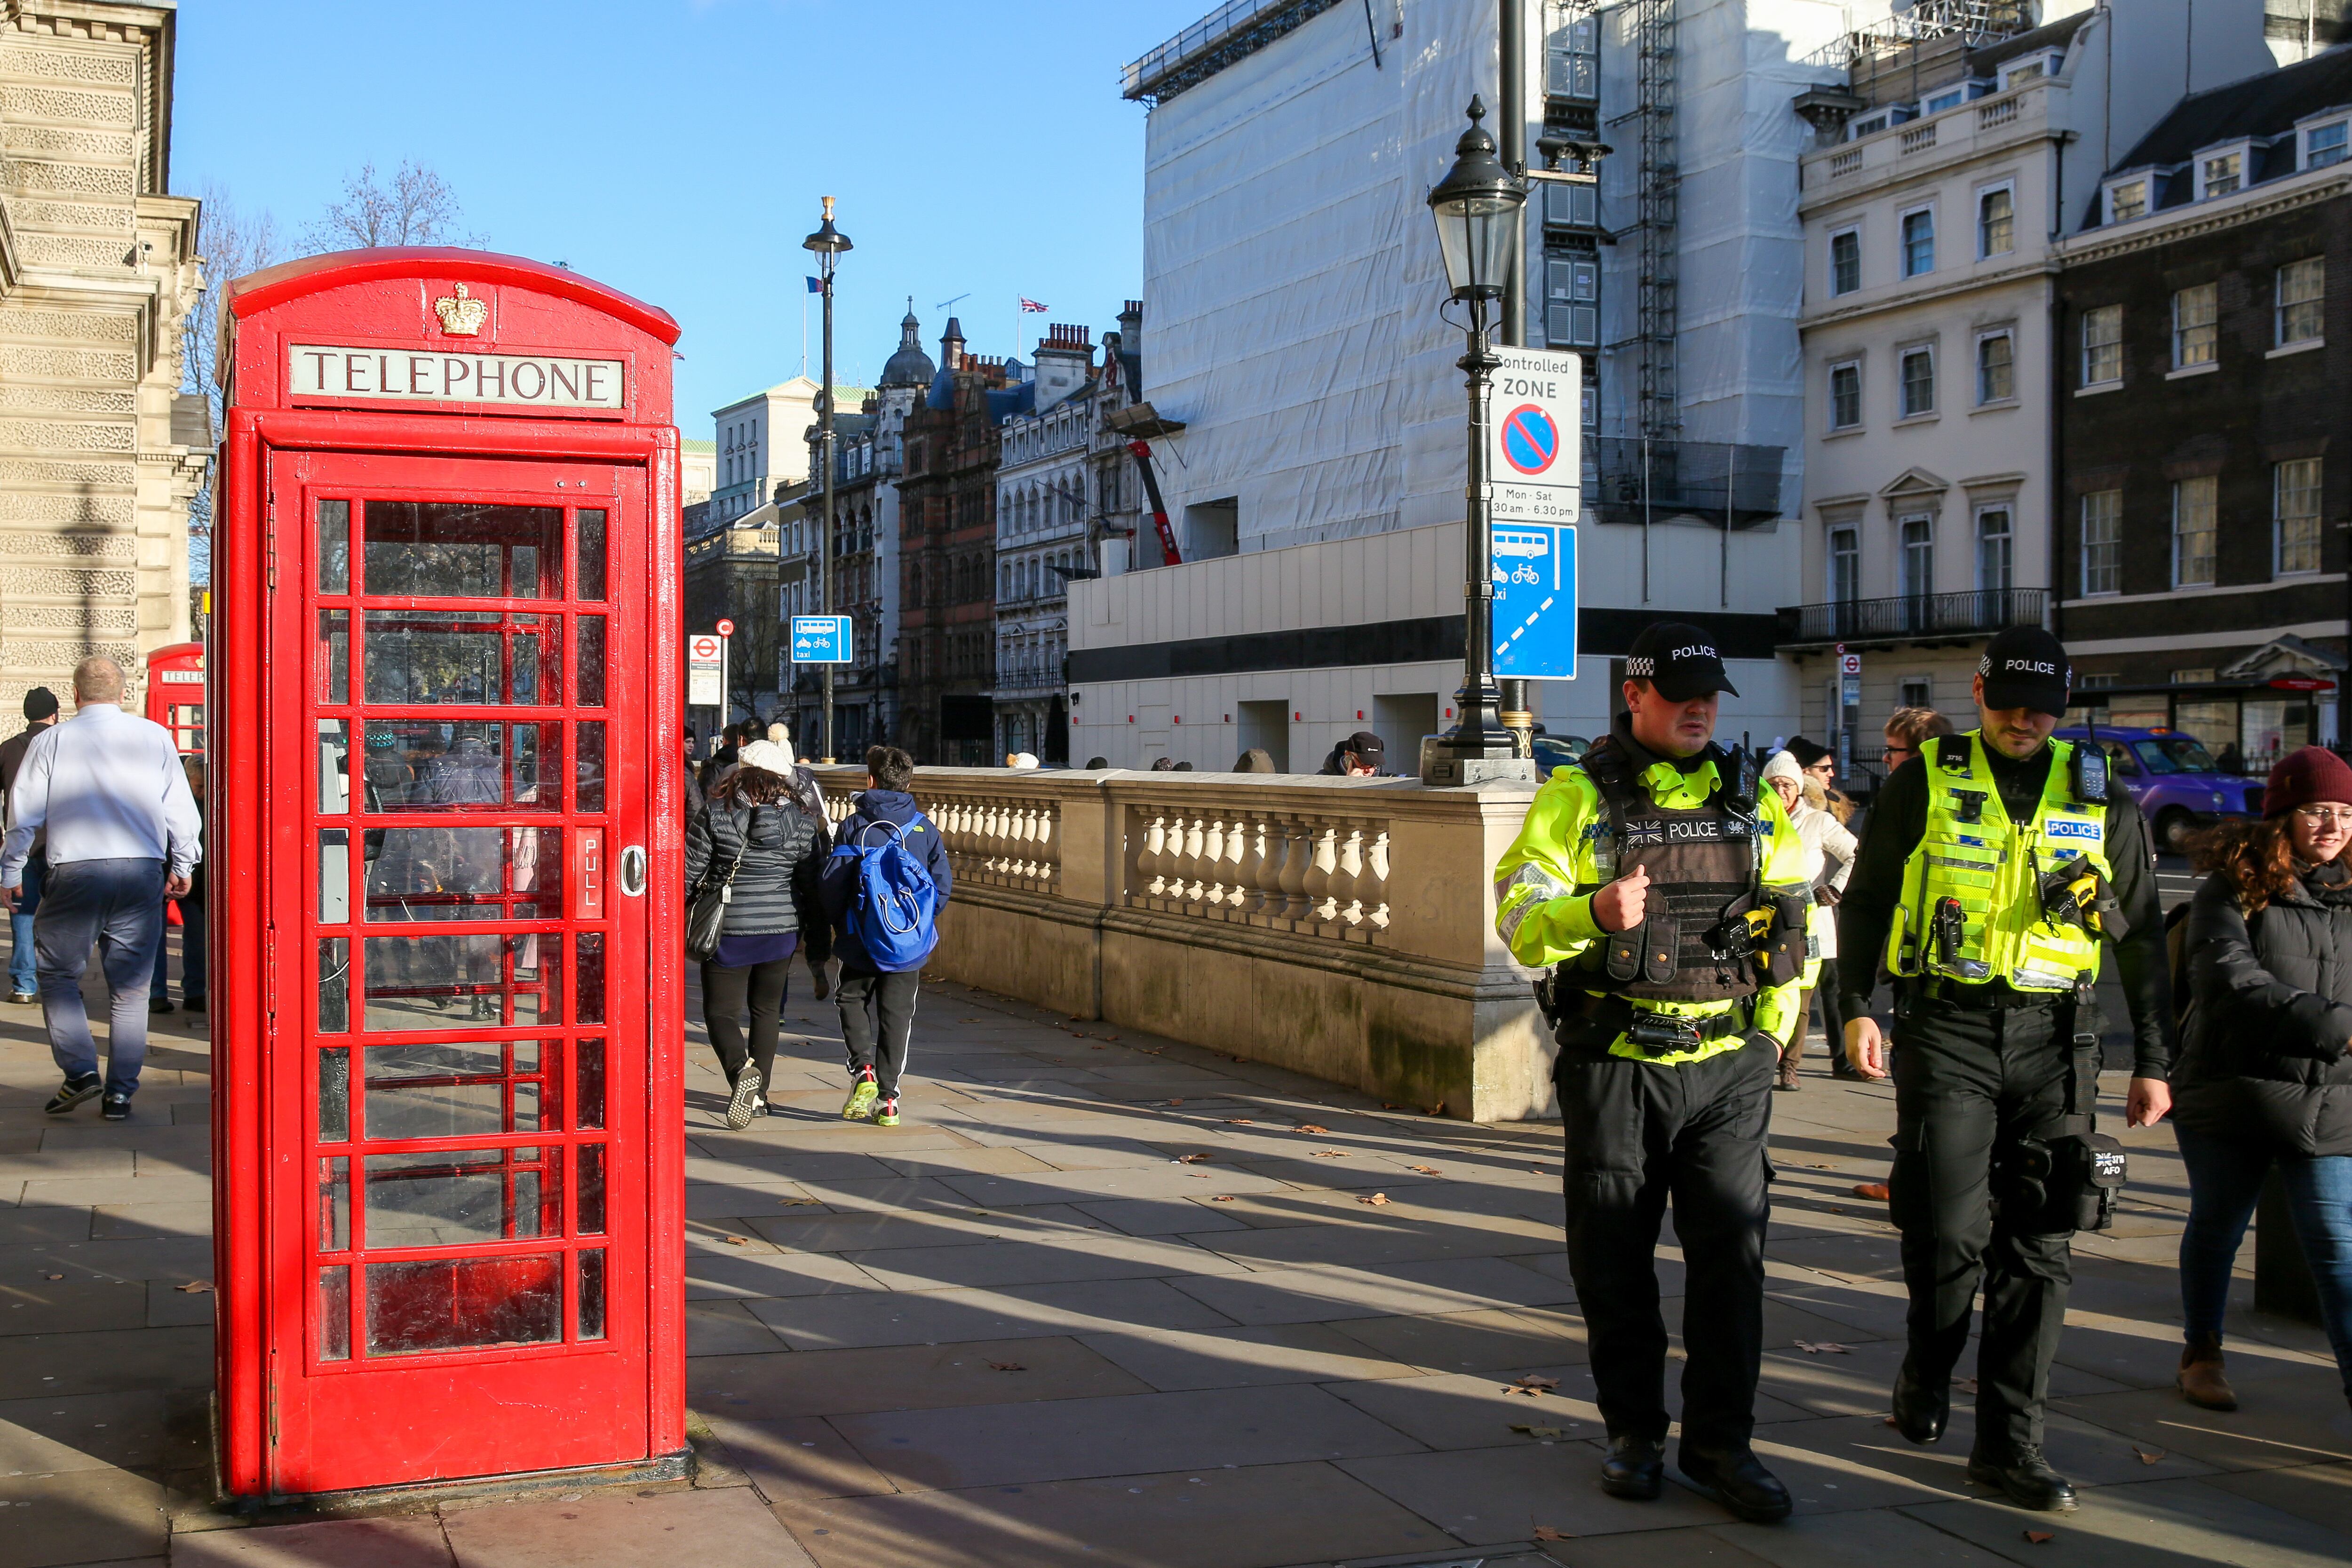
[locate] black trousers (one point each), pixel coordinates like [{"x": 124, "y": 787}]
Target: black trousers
[
  {"x": 1637, "y": 1134},
  {"x": 1831, "y": 996},
  {"x": 725, "y": 995},
  {"x": 878, "y": 1017},
  {"x": 1969, "y": 1084}
]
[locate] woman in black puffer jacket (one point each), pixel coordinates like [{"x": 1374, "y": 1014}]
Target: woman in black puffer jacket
[
  {"x": 753, "y": 823},
  {"x": 2265, "y": 1075}
]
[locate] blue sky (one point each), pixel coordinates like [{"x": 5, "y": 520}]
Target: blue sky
[{"x": 676, "y": 149}]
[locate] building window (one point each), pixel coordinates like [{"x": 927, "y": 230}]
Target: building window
[
  {"x": 2195, "y": 507},
  {"x": 2196, "y": 325},
  {"x": 2127, "y": 199},
  {"x": 1996, "y": 222},
  {"x": 1845, "y": 396},
  {"x": 1845, "y": 261},
  {"x": 2294, "y": 509},
  {"x": 2103, "y": 542},
  {"x": 1572, "y": 302},
  {"x": 1996, "y": 367},
  {"x": 1918, "y": 242},
  {"x": 2102, "y": 345},
  {"x": 2221, "y": 174},
  {"x": 1917, "y": 535},
  {"x": 2324, "y": 144},
  {"x": 1845, "y": 564},
  {"x": 1996, "y": 558},
  {"x": 1918, "y": 382},
  {"x": 1917, "y": 692},
  {"x": 2302, "y": 290}
]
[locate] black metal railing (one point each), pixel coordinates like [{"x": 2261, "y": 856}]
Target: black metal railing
[{"x": 1908, "y": 617}]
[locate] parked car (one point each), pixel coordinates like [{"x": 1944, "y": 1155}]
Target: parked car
[
  {"x": 1557, "y": 751},
  {"x": 2174, "y": 780}
]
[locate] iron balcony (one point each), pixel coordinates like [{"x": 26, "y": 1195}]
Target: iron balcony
[{"x": 1923, "y": 617}]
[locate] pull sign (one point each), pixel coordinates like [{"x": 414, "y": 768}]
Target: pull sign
[{"x": 588, "y": 874}]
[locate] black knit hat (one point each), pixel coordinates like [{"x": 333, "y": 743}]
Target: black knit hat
[
  {"x": 40, "y": 703},
  {"x": 1805, "y": 752}
]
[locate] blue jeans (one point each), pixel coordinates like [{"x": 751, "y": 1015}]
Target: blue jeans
[
  {"x": 191, "y": 951},
  {"x": 116, "y": 906},
  {"x": 2225, "y": 1182},
  {"x": 24, "y": 980}
]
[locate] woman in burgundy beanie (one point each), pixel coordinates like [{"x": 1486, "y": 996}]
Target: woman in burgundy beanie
[{"x": 2265, "y": 1075}]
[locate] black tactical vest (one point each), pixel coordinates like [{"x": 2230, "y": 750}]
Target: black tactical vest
[{"x": 1702, "y": 863}]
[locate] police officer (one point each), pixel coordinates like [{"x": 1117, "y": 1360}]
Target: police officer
[
  {"x": 1667, "y": 896},
  {"x": 1994, "y": 865}
]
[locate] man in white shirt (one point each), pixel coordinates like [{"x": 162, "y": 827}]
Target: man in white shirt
[{"x": 123, "y": 836}]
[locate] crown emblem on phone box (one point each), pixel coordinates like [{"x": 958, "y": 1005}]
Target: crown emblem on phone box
[{"x": 461, "y": 315}]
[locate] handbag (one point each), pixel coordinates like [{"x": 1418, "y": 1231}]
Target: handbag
[{"x": 706, "y": 913}]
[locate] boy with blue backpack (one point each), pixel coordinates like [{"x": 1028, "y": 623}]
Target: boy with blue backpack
[{"x": 883, "y": 886}]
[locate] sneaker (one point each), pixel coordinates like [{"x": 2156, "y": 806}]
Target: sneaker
[
  {"x": 23, "y": 997},
  {"x": 886, "y": 1112},
  {"x": 161, "y": 1004},
  {"x": 860, "y": 1103},
  {"x": 746, "y": 1095},
  {"x": 193, "y": 1004},
  {"x": 117, "y": 1108},
  {"x": 73, "y": 1092}
]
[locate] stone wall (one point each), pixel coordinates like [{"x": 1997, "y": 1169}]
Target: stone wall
[
  {"x": 1343, "y": 928},
  {"x": 98, "y": 271}
]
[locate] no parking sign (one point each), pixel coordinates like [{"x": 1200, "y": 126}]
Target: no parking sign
[{"x": 1535, "y": 454}]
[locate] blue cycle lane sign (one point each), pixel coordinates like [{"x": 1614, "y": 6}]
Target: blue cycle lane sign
[
  {"x": 820, "y": 639},
  {"x": 1535, "y": 467}
]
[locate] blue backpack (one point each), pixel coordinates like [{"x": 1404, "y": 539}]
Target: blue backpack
[{"x": 893, "y": 914}]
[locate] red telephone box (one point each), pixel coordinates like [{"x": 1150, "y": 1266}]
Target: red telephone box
[
  {"x": 175, "y": 694},
  {"x": 447, "y": 1114}
]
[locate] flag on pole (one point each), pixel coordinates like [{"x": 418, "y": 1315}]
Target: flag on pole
[
  {"x": 1027, "y": 304},
  {"x": 816, "y": 284}
]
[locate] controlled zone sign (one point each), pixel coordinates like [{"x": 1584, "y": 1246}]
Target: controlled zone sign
[
  {"x": 820, "y": 639},
  {"x": 1535, "y": 450},
  {"x": 1535, "y": 602},
  {"x": 706, "y": 676}
]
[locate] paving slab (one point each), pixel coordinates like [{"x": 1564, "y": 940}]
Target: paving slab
[
  {"x": 724, "y": 1528},
  {"x": 923, "y": 1317},
  {"x": 2161, "y": 1524},
  {"x": 341, "y": 1542},
  {"x": 775, "y": 1386}
]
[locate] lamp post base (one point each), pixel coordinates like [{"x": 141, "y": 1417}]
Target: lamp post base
[{"x": 1450, "y": 761}]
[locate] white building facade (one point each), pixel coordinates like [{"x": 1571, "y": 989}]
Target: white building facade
[
  {"x": 762, "y": 442},
  {"x": 1948, "y": 170},
  {"x": 1316, "y": 481}
]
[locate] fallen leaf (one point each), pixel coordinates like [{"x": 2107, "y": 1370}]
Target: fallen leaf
[
  {"x": 1437, "y": 1109},
  {"x": 799, "y": 1202},
  {"x": 1110, "y": 1037},
  {"x": 1309, "y": 1127},
  {"x": 1190, "y": 1159},
  {"x": 1965, "y": 1385},
  {"x": 1531, "y": 1393},
  {"x": 2144, "y": 1456},
  {"x": 2041, "y": 1537},
  {"x": 1546, "y": 1532},
  {"x": 199, "y": 1287},
  {"x": 1329, "y": 1154},
  {"x": 736, "y": 1240},
  {"x": 1537, "y": 1381},
  {"x": 1875, "y": 1190},
  {"x": 1425, "y": 1170},
  {"x": 1237, "y": 1121},
  {"x": 1540, "y": 1431},
  {"x": 1386, "y": 1106},
  {"x": 1098, "y": 1048},
  {"x": 1377, "y": 1198},
  {"x": 1537, "y": 1170},
  {"x": 1823, "y": 1347},
  {"x": 1007, "y": 1366},
  {"x": 1222, "y": 1198},
  {"x": 1173, "y": 1102},
  {"x": 52, "y": 1275}
]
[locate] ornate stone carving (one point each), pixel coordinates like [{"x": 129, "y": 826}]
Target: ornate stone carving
[
  {"x": 67, "y": 511},
  {"x": 70, "y": 64},
  {"x": 32, "y": 215},
  {"x": 114, "y": 144},
  {"x": 65, "y": 582},
  {"x": 21, "y": 99},
  {"x": 61, "y": 436},
  {"x": 83, "y": 179},
  {"x": 109, "y": 325},
  {"x": 78, "y": 364},
  {"x": 58, "y": 250},
  {"x": 80, "y": 399},
  {"x": 115, "y": 549}
]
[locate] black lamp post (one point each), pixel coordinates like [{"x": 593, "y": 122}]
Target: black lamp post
[
  {"x": 828, "y": 242},
  {"x": 1479, "y": 208}
]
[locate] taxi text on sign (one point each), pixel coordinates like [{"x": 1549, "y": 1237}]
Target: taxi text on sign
[
  {"x": 820, "y": 639},
  {"x": 1535, "y": 451}
]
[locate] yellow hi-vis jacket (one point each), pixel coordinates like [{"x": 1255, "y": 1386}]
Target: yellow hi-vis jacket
[
  {"x": 1973, "y": 852},
  {"x": 1566, "y": 852}
]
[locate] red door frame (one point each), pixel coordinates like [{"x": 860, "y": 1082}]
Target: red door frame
[
  {"x": 260, "y": 581},
  {"x": 164, "y": 695}
]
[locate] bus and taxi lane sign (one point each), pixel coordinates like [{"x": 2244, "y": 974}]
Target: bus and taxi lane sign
[
  {"x": 1535, "y": 444},
  {"x": 1534, "y": 601},
  {"x": 820, "y": 639}
]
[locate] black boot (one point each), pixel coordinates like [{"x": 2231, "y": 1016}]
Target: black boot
[
  {"x": 1635, "y": 1468},
  {"x": 1920, "y": 1410},
  {"x": 2028, "y": 1480},
  {"x": 1739, "y": 1481}
]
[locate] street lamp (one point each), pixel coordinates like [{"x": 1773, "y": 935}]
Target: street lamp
[
  {"x": 828, "y": 242},
  {"x": 1479, "y": 207}
]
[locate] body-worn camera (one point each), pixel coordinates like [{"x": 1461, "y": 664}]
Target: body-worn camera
[{"x": 2071, "y": 1183}]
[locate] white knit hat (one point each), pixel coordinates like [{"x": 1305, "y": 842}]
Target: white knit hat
[
  {"x": 1783, "y": 765},
  {"x": 768, "y": 756}
]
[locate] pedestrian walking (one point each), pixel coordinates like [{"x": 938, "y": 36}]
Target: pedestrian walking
[
  {"x": 192, "y": 919},
  {"x": 2264, "y": 1078},
  {"x": 1995, "y": 867},
  {"x": 40, "y": 713},
  {"x": 1825, "y": 840},
  {"x": 754, "y": 839},
  {"x": 1667, "y": 898},
  {"x": 123, "y": 834},
  {"x": 878, "y": 989}
]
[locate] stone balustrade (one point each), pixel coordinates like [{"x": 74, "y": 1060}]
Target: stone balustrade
[{"x": 1340, "y": 927}]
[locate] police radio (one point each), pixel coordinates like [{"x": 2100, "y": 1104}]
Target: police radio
[
  {"x": 2091, "y": 770},
  {"x": 1741, "y": 783}
]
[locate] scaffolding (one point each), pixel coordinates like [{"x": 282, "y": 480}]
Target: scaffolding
[
  {"x": 1974, "y": 22},
  {"x": 1658, "y": 413}
]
